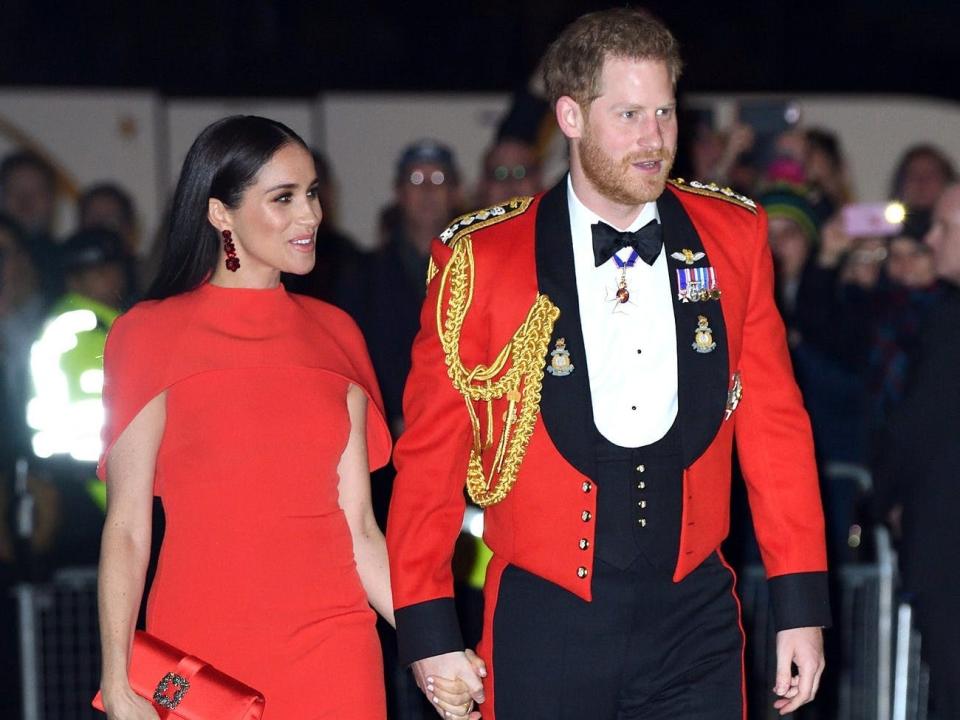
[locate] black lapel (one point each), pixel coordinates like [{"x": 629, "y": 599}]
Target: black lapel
[
  {"x": 565, "y": 404},
  {"x": 702, "y": 378}
]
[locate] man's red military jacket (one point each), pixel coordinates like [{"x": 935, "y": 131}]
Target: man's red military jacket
[{"x": 546, "y": 523}]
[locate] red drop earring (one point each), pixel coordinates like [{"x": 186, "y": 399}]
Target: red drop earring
[{"x": 233, "y": 262}]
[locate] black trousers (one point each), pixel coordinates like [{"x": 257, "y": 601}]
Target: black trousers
[{"x": 646, "y": 647}]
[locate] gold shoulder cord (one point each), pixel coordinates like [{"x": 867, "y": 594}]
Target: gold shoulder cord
[
  {"x": 715, "y": 191},
  {"x": 476, "y": 220},
  {"x": 521, "y": 383}
]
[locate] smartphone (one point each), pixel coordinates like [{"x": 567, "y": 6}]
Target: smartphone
[
  {"x": 873, "y": 219},
  {"x": 769, "y": 119}
]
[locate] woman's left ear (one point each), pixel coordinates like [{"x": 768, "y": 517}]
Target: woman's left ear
[{"x": 217, "y": 214}]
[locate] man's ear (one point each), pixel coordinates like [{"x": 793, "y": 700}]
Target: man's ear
[
  {"x": 218, "y": 215},
  {"x": 570, "y": 117}
]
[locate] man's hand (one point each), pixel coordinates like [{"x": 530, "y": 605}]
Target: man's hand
[
  {"x": 451, "y": 666},
  {"x": 802, "y": 647}
]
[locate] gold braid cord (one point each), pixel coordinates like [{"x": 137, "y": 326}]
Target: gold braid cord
[{"x": 520, "y": 384}]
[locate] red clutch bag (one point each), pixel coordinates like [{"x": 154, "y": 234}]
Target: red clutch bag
[{"x": 182, "y": 686}]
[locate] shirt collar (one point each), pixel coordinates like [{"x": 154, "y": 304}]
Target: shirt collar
[{"x": 582, "y": 217}]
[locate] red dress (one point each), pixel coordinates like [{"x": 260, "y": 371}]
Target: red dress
[{"x": 256, "y": 573}]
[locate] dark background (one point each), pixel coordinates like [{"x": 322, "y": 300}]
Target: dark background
[{"x": 278, "y": 47}]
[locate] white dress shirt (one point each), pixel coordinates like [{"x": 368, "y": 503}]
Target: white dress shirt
[{"x": 631, "y": 347}]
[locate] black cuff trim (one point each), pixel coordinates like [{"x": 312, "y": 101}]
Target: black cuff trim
[
  {"x": 800, "y": 600},
  {"x": 427, "y": 629}
]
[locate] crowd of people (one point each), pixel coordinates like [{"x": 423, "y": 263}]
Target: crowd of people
[{"x": 856, "y": 305}]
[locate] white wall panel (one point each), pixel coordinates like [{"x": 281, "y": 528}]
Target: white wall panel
[
  {"x": 364, "y": 133},
  {"x": 90, "y": 136}
]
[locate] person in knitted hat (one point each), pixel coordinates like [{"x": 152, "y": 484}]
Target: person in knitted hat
[{"x": 793, "y": 231}]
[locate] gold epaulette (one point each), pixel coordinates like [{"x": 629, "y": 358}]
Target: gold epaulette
[
  {"x": 715, "y": 191},
  {"x": 520, "y": 383},
  {"x": 468, "y": 222}
]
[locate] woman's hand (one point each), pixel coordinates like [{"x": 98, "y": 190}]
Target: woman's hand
[
  {"x": 453, "y": 696},
  {"x": 125, "y": 704}
]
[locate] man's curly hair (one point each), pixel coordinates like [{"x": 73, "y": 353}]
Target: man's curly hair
[{"x": 574, "y": 61}]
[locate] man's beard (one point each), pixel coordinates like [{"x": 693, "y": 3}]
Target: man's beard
[{"x": 618, "y": 181}]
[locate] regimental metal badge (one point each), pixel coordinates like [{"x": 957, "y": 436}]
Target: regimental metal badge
[
  {"x": 703, "y": 336},
  {"x": 560, "y": 365},
  {"x": 697, "y": 284},
  {"x": 733, "y": 395},
  {"x": 688, "y": 257}
]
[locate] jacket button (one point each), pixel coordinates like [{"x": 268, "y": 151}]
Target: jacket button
[
  {"x": 581, "y": 572},
  {"x": 584, "y": 543},
  {"x": 643, "y": 522},
  {"x": 585, "y": 516},
  {"x": 587, "y": 486},
  {"x": 641, "y": 468},
  {"x": 641, "y": 485},
  {"x": 642, "y": 503}
]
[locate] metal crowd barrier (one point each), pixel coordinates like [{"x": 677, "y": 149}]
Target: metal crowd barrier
[
  {"x": 59, "y": 646},
  {"x": 879, "y": 674},
  {"x": 912, "y": 684}
]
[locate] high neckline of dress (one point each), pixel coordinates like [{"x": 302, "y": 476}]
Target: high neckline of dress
[{"x": 277, "y": 291}]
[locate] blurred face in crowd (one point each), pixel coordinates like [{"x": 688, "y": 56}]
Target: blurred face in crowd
[
  {"x": 910, "y": 263},
  {"x": 510, "y": 169},
  {"x": 706, "y": 150},
  {"x": 944, "y": 236},
  {"x": 103, "y": 210},
  {"x": 625, "y": 140},
  {"x": 923, "y": 181},
  {"x": 865, "y": 262},
  {"x": 789, "y": 245},
  {"x": 29, "y": 199},
  {"x": 275, "y": 226},
  {"x": 820, "y": 167},
  {"x": 18, "y": 277},
  {"x": 106, "y": 283},
  {"x": 427, "y": 195}
]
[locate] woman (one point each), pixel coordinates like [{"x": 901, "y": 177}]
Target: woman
[{"x": 255, "y": 416}]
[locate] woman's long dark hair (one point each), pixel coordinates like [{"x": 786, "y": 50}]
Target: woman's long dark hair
[{"x": 222, "y": 163}]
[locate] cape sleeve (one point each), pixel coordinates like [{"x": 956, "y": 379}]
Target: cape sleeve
[
  {"x": 134, "y": 370},
  {"x": 379, "y": 440}
]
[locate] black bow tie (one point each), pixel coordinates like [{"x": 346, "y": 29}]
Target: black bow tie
[{"x": 647, "y": 241}]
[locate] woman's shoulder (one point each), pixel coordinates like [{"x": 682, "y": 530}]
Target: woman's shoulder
[
  {"x": 152, "y": 321},
  {"x": 333, "y": 320}
]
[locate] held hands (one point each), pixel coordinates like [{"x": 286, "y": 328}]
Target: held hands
[
  {"x": 452, "y": 683},
  {"x": 802, "y": 647}
]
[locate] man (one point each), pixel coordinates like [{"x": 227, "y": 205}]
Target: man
[
  {"x": 589, "y": 392},
  {"x": 28, "y": 191},
  {"x": 385, "y": 291},
  {"x": 917, "y": 476},
  {"x": 28, "y": 194},
  {"x": 107, "y": 205},
  {"x": 66, "y": 360},
  {"x": 511, "y": 168}
]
